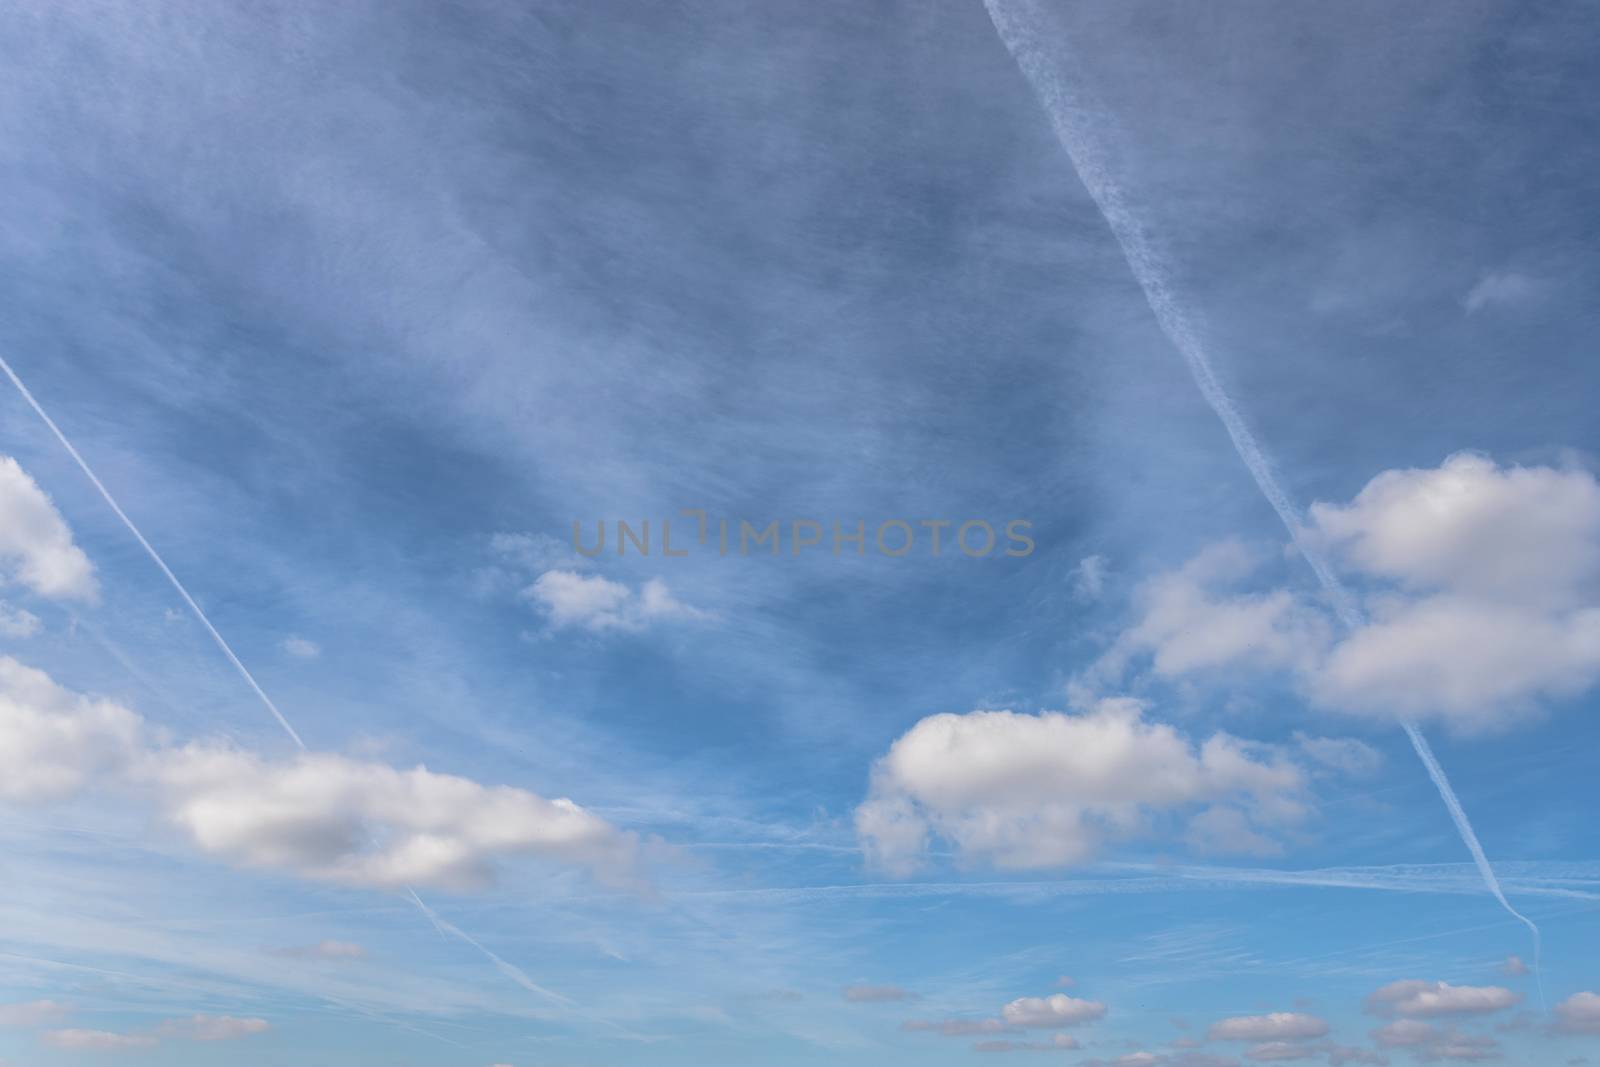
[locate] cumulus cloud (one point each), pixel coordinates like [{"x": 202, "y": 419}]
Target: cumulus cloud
[
  {"x": 33, "y": 1013},
  {"x": 1278, "y": 1026},
  {"x": 1029, "y": 791},
  {"x": 36, "y": 546},
  {"x": 1188, "y": 622},
  {"x": 322, "y": 816},
  {"x": 54, "y": 742},
  {"x": 1480, "y": 584},
  {"x": 1513, "y": 967},
  {"x": 1404, "y": 1033},
  {"x": 335, "y": 819},
  {"x": 1459, "y": 1046},
  {"x": 1579, "y": 1014},
  {"x": 1058, "y": 1009},
  {"x": 591, "y": 602},
  {"x": 1417, "y": 999}
]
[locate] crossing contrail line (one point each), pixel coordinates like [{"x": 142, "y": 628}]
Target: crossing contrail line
[
  {"x": 1076, "y": 128},
  {"x": 511, "y": 971}
]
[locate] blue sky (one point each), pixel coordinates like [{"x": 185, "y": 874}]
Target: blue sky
[{"x": 355, "y": 310}]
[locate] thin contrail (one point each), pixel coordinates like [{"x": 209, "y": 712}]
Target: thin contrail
[
  {"x": 455, "y": 931},
  {"x": 153, "y": 554},
  {"x": 1076, "y": 124}
]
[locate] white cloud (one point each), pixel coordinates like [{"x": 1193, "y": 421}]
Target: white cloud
[
  {"x": 33, "y": 1013},
  {"x": 330, "y": 818},
  {"x": 1029, "y": 791},
  {"x": 1089, "y": 578},
  {"x": 17, "y": 622},
  {"x": 213, "y": 1028},
  {"x": 1579, "y": 1014},
  {"x": 590, "y": 602},
  {"x": 1419, "y": 999},
  {"x": 36, "y": 546},
  {"x": 54, "y": 742},
  {"x": 1278, "y": 1026},
  {"x": 322, "y": 816},
  {"x": 1057, "y": 1043},
  {"x": 98, "y": 1040},
  {"x": 1186, "y": 625},
  {"x": 1513, "y": 967},
  {"x": 1496, "y": 571},
  {"x": 1459, "y": 1046},
  {"x": 1345, "y": 755},
  {"x": 1482, "y": 596},
  {"x": 1058, "y": 1009},
  {"x": 1404, "y": 1033},
  {"x": 1281, "y": 1052},
  {"x": 1501, "y": 289},
  {"x": 300, "y": 648}
]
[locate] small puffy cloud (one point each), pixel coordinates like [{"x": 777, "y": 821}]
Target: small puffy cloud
[
  {"x": 1513, "y": 967},
  {"x": 1278, "y": 1026},
  {"x": 213, "y": 1028},
  {"x": 1029, "y": 791},
  {"x": 98, "y": 1040},
  {"x": 300, "y": 648},
  {"x": 1404, "y": 1033},
  {"x": 1089, "y": 578},
  {"x": 1189, "y": 622},
  {"x": 1459, "y": 1046},
  {"x": 874, "y": 994},
  {"x": 1345, "y": 755},
  {"x": 54, "y": 742},
  {"x": 36, "y": 546},
  {"x": 1579, "y": 1014},
  {"x": 1281, "y": 1052},
  {"x": 1057, "y": 1043},
  {"x": 325, "y": 950},
  {"x": 1501, "y": 289},
  {"x": 322, "y": 816},
  {"x": 1417, "y": 999},
  {"x": 17, "y": 622},
  {"x": 591, "y": 602},
  {"x": 33, "y": 1013},
  {"x": 354, "y": 822},
  {"x": 1058, "y": 1009}
]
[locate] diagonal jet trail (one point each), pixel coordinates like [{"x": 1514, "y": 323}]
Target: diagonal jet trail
[
  {"x": 1080, "y": 129},
  {"x": 514, "y": 973}
]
